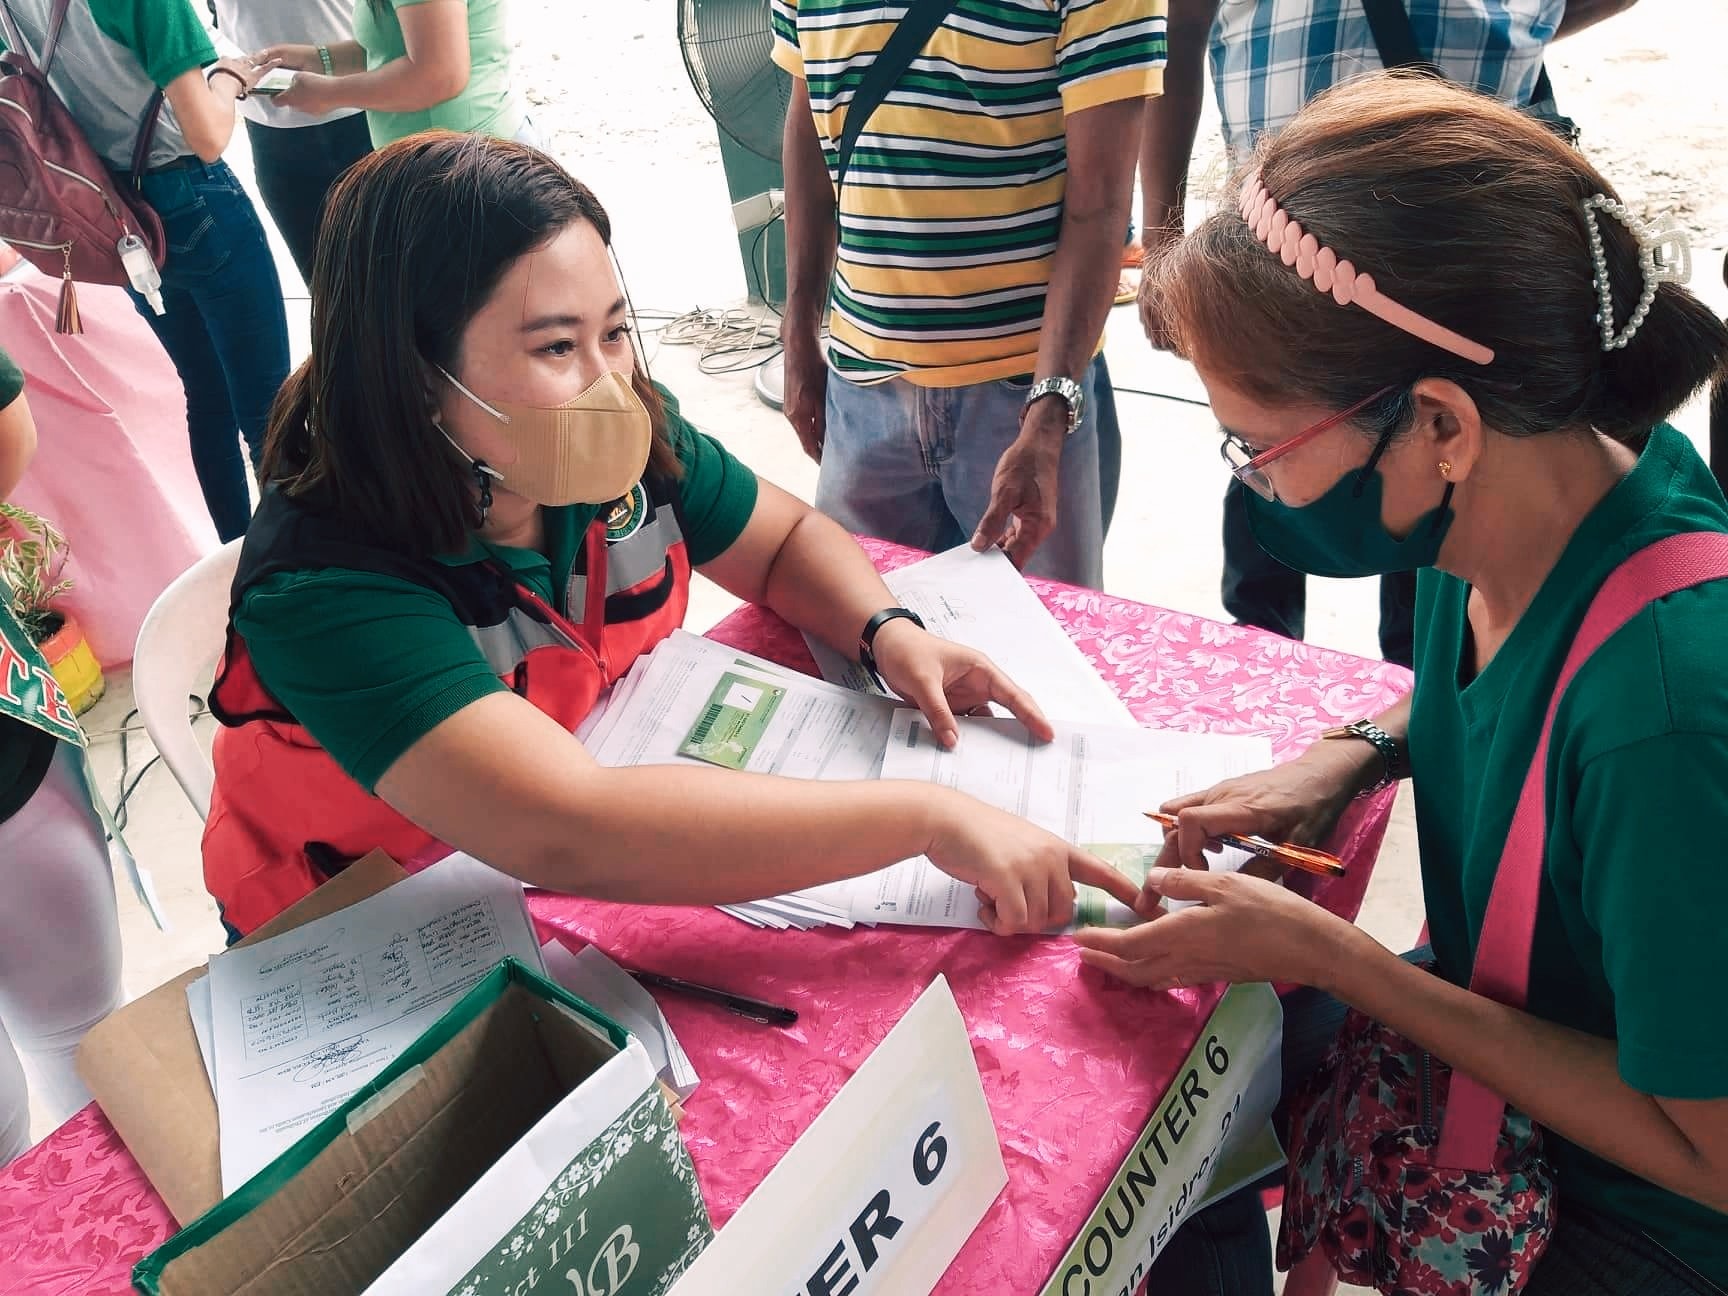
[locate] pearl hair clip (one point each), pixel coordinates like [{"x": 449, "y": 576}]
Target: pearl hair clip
[
  {"x": 1329, "y": 272},
  {"x": 1664, "y": 256}
]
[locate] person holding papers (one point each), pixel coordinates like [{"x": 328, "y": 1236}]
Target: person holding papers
[
  {"x": 478, "y": 512},
  {"x": 1437, "y": 340}
]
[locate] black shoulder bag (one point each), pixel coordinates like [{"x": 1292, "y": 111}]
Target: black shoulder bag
[{"x": 910, "y": 36}]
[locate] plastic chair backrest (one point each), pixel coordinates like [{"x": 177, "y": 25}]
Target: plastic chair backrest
[{"x": 181, "y": 637}]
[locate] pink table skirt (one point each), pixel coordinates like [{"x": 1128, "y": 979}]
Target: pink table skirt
[{"x": 1071, "y": 1063}]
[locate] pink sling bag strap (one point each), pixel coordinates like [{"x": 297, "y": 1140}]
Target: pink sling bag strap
[{"x": 1474, "y": 1114}]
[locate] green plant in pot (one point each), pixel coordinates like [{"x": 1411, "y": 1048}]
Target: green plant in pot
[{"x": 33, "y": 557}]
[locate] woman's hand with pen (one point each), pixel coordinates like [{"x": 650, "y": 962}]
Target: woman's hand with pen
[{"x": 1299, "y": 801}]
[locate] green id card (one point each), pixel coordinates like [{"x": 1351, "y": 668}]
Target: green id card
[
  {"x": 1132, "y": 860},
  {"x": 733, "y": 722}
]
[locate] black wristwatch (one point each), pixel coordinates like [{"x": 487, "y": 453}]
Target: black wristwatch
[
  {"x": 1394, "y": 761},
  {"x": 867, "y": 637}
]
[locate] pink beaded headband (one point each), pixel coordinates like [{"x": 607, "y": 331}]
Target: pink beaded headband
[{"x": 1329, "y": 272}]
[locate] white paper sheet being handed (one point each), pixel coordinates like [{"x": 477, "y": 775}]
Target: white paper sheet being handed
[{"x": 1089, "y": 786}]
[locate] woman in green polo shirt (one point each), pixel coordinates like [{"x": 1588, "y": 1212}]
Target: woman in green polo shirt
[
  {"x": 413, "y": 65},
  {"x": 59, "y": 930},
  {"x": 478, "y": 513},
  {"x": 1489, "y": 409}
]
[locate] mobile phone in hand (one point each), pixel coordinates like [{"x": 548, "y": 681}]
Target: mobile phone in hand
[{"x": 273, "y": 82}]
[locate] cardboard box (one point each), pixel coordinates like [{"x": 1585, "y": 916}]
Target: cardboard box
[
  {"x": 518, "y": 1070},
  {"x": 143, "y": 1066}
]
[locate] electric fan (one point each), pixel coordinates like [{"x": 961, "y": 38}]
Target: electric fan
[{"x": 727, "y": 47}]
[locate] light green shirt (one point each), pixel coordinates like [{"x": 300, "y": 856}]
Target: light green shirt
[{"x": 486, "y": 106}]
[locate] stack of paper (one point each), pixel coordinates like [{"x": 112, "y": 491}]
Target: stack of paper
[
  {"x": 695, "y": 700},
  {"x": 596, "y": 979},
  {"x": 1090, "y": 786},
  {"x": 291, "y": 1027},
  {"x": 982, "y": 601}
]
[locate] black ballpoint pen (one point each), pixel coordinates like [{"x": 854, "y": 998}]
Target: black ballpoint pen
[{"x": 755, "y": 1009}]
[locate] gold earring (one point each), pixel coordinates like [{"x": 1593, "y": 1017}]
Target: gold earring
[{"x": 1445, "y": 467}]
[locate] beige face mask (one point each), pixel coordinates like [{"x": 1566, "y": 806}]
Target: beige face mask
[{"x": 590, "y": 450}]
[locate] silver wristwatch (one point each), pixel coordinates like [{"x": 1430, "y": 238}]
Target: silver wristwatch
[
  {"x": 1070, "y": 391},
  {"x": 1394, "y": 760}
]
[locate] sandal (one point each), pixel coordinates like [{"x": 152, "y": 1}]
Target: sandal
[{"x": 1127, "y": 289}]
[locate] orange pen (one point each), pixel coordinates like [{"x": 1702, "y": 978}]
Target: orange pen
[{"x": 1305, "y": 858}]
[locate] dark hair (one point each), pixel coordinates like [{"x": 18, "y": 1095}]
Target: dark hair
[
  {"x": 1464, "y": 210},
  {"x": 414, "y": 240}
]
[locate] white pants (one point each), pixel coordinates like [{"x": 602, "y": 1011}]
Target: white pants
[{"x": 59, "y": 947}]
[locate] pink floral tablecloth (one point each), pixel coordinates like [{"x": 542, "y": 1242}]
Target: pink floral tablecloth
[{"x": 1071, "y": 1062}]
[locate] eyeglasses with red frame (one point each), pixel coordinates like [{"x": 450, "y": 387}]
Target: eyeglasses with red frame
[{"x": 1249, "y": 466}]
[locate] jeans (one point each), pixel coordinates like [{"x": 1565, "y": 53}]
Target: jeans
[
  {"x": 296, "y": 166},
  {"x": 1261, "y": 591},
  {"x": 223, "y": 327},
  {"x": 915, "y": 464}
]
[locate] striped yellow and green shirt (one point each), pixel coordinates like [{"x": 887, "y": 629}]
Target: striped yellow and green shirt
[{"x": 953, "y": 199}]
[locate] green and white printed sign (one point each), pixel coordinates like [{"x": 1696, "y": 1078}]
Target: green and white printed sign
[
  {"x": 624, "y": 1217},
  {"x": 598, "y": 1199},
  {"x": 28, "y": 689},
  {"x": 1209, "y": 1134}
]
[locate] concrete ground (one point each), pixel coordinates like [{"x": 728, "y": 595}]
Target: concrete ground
[{"x": 613, "y": 99}]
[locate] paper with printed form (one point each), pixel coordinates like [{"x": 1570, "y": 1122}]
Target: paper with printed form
[
  {"x": 1089, "y": 786},
  {"x": 695, "y": 700},
  {"x": 304, "y": 1019},
  {"x": 588, "y": 974},
  {"x": 982, "y": 601}
]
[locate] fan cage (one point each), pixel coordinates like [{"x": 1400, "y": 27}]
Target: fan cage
[{"x": 727, "y": 47}]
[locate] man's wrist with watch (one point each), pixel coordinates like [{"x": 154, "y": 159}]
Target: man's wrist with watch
[
  {"x": 1062, "y": 393},
  {"x": 1390, "y": 762}
]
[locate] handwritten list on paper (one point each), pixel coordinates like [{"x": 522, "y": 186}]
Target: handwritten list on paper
[{"x": 304, "y": 1019}]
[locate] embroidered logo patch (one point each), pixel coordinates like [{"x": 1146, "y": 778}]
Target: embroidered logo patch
[{"x": 626, "y": 516}]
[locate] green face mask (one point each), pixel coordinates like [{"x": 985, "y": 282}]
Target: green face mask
[{"x": 1341, "y": 535}]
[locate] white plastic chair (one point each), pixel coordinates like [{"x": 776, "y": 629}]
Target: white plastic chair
[{"x": 181, "y": 637}]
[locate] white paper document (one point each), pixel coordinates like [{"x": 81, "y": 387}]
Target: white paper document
[
  {"x": 303, "y": 1019},
  {"x": 982, "y": 601},
  {"x": 597, "y": 980},
  {"x": 813, "y": 729},
  {"x": 1090, "y": 786},
  {"x": 198, "y": 1008},
  {"x": 741, "y": 712}
]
